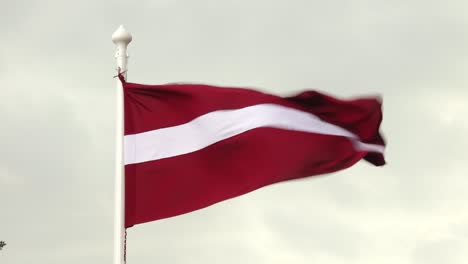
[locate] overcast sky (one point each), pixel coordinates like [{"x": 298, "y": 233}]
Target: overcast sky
[{"x": 57, "y": 128}]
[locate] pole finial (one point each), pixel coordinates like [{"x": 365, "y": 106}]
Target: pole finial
[
  {"x": 121, "y": 39},
  {"x": 121, "y": 36}
]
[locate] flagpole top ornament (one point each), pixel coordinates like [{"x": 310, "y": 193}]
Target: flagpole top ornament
[{"x": 121, "y": 36}]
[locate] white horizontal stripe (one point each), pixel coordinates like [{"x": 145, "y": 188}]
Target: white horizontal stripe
[{"x": 212, "y": 127}]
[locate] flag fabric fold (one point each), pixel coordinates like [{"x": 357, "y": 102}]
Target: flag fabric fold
[{"x": 188, "y": 146}]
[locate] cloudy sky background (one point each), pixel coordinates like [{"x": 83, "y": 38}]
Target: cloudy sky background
[{"x": 57, "y": 128}]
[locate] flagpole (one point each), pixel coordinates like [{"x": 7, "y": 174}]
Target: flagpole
[{"x": 121, "y": 39}]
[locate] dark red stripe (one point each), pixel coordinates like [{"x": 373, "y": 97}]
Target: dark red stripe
[
  {"x": 150, "y": 107},
  {"x": 229, "y": 168}
]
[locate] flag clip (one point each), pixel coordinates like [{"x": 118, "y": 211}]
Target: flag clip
[{"x": 120, "y": 75}]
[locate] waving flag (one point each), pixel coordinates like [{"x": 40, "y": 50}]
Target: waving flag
[{"x": 188, "y": 146}]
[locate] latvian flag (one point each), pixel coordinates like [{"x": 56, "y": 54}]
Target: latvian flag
[{"x": 188, "y": 146}]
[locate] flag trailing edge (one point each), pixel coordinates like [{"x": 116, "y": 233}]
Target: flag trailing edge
[{"x": 188, "y": 146}]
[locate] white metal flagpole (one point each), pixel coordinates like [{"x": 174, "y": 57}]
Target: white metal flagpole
[{"x": 121, "y": 38}]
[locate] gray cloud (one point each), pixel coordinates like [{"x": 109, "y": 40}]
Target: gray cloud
[{"x": 56, "y": 155}]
